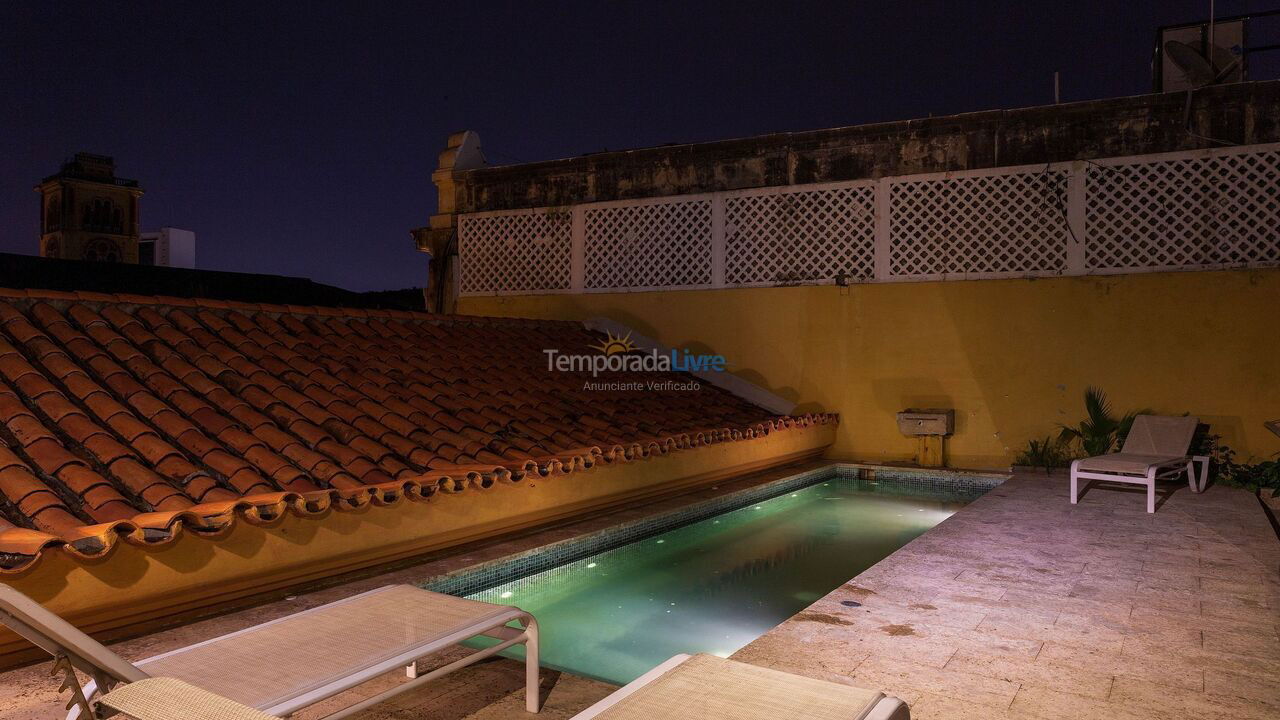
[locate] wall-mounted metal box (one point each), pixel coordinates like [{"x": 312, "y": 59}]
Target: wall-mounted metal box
[{"x": 929, "y": 421}]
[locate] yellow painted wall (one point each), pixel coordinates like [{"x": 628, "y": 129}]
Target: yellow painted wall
[{"x": 1013, "y": 357}]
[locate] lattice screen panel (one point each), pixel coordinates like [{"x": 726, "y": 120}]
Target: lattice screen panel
[
  {"x": 980, "y": 224},
  {"x": 782, "y": 237},
  {"x": 518, "y": 251},
  {"x": 1192, "y": 211},
  {"x": 665, "y": 244}
]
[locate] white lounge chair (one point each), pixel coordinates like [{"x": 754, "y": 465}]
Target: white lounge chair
[
  {"x": 703, "y": 687},
  {"x": 707, "y": 687},
  {"x": 291, "y": 663},
  {"x": 1156, "y": 449},
  {"x": 172, "y": 699}
]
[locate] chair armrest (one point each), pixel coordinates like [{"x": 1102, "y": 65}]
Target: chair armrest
[{"x": 169, "y": 699}]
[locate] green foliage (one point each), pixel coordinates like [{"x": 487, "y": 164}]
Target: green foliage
[
  {"x": 1222, "y": 459},
  {"x": 1101, "y": 431},
  {"x": 1255, "y": 477},
  {"x": 1048, "y": 453},
  {"x": 1265, "y": 475}
]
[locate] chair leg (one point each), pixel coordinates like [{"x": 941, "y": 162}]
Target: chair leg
[
  {"x": 532, "y": 684},
  {"x": 1151, "y": 490},
  {"x": 1075, "y": 482},
  {"x": 1191, "y": 476}
]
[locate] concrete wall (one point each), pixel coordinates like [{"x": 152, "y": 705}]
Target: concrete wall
[
  {"x": 1013, "y": 357},
  {"x": 1240, "y": 113}
]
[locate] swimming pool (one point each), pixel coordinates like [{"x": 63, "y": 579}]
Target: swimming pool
[{"x": 716, "y": 584}]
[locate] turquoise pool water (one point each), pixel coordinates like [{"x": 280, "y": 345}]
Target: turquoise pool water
[{"x": 717, "y": 584}]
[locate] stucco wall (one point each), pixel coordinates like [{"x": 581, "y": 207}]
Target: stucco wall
[
  {"x": 1011, "y": 356},
  {"x": 1240, "y": 113}
]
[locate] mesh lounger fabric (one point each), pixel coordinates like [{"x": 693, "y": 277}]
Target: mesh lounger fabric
[
  {"x": 1128, "y": 463},
  {"x": 712, "y": 688},
  {"x": 170, "y": 699},
  {"x": 280, "y": 660},
  {"x": 1152, "y": 440},
  {"x": 1160, "y": 435}
]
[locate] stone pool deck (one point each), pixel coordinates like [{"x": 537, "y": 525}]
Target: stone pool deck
[
  {"x": 1018, "y": 606},
  {"x": 1024, "y": 606}
]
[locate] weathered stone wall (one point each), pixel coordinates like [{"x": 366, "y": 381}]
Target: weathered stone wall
[{"x": 1242, "y": 113}]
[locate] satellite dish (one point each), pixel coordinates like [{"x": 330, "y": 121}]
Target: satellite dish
[
  {"x": 1198, "y": 70},
  {"x": 1194, "y": 66}
]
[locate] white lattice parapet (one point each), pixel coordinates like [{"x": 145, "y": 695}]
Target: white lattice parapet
[
  {"x": 649, "y": 244},
  {"x": 1173, "y": 211},
  {"x": 787, "y": 235},
  {"x": 521, "y": 251},
  {"x": 1184, "y": 210},
  {"x": 985, "y": 224}
]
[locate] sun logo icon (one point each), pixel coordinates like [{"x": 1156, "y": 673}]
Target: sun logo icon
[{"x": 613, "y": 344}]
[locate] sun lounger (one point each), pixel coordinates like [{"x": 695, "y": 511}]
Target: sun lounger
[
  {"x": 707, "y": 687},
  {"x": 291, "y": 663},
  {"x": 170, "y": 699},
  {"x": 1156, "y": 449}
]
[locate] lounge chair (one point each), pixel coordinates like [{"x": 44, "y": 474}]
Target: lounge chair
[
  {"x": 1156, "y": 449},
  {"x": 171, "y": 699},
  {"x": 291, "y": 663},
  {"x": 703, "y": 686},
  {"x": 712, "y": 688}
]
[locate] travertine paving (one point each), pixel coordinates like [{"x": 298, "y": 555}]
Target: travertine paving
[
  {"x": 1019, "y": 606},
  {"x": 1024, "y": 606}
]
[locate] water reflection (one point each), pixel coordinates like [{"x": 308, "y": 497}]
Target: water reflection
[{"x": 718, "y": 584}]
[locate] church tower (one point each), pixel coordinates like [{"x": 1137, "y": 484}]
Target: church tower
[{"x": 87, "y": 213}]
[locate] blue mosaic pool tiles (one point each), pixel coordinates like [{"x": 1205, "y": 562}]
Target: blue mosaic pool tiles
[
  {"x": 923, "y": 477},
  {"x": 477, "y": 578},
  {"x": 480, "y": 577}
]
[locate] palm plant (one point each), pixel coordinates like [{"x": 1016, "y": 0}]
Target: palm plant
[
  {"x": 1048, "y": 453},
  {"x": 1100, "y": 431}
]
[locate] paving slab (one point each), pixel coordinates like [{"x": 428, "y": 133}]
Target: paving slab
[{"x": 1096, "y": 610}]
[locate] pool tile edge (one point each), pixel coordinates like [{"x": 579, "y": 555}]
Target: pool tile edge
[{"x": 484, "y": 575}]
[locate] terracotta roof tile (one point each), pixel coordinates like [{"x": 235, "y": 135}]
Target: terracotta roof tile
[
  {"x": 27, "y": 429},
  {"x": 153, "y": 447},
  {"x": 123, "y": 423},
  {"x": 49, "y": 455},
  {"x": 105, "y": 448},
  {"x": 122, "y": 405}
]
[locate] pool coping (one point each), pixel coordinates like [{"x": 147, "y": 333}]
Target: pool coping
[{"x": 490, "y": 573}]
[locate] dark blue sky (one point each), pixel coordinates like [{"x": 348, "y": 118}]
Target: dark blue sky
[{"x": 299, "y": 137}]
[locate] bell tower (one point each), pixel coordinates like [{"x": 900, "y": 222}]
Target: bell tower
[{"x": 87, "y": 213}]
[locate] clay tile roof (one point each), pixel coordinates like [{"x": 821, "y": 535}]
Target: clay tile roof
[{"x": 121, "y": 410}]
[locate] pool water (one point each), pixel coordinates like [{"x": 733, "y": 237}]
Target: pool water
[{"x": 715, "y": 585}]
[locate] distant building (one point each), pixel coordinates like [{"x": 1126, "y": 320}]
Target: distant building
[
  {"x": 87, "y": 213},
  {"x": 168, "y": 247}
]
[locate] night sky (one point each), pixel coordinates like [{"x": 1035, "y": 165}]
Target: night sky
[{"x": 299, "y": 138}]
